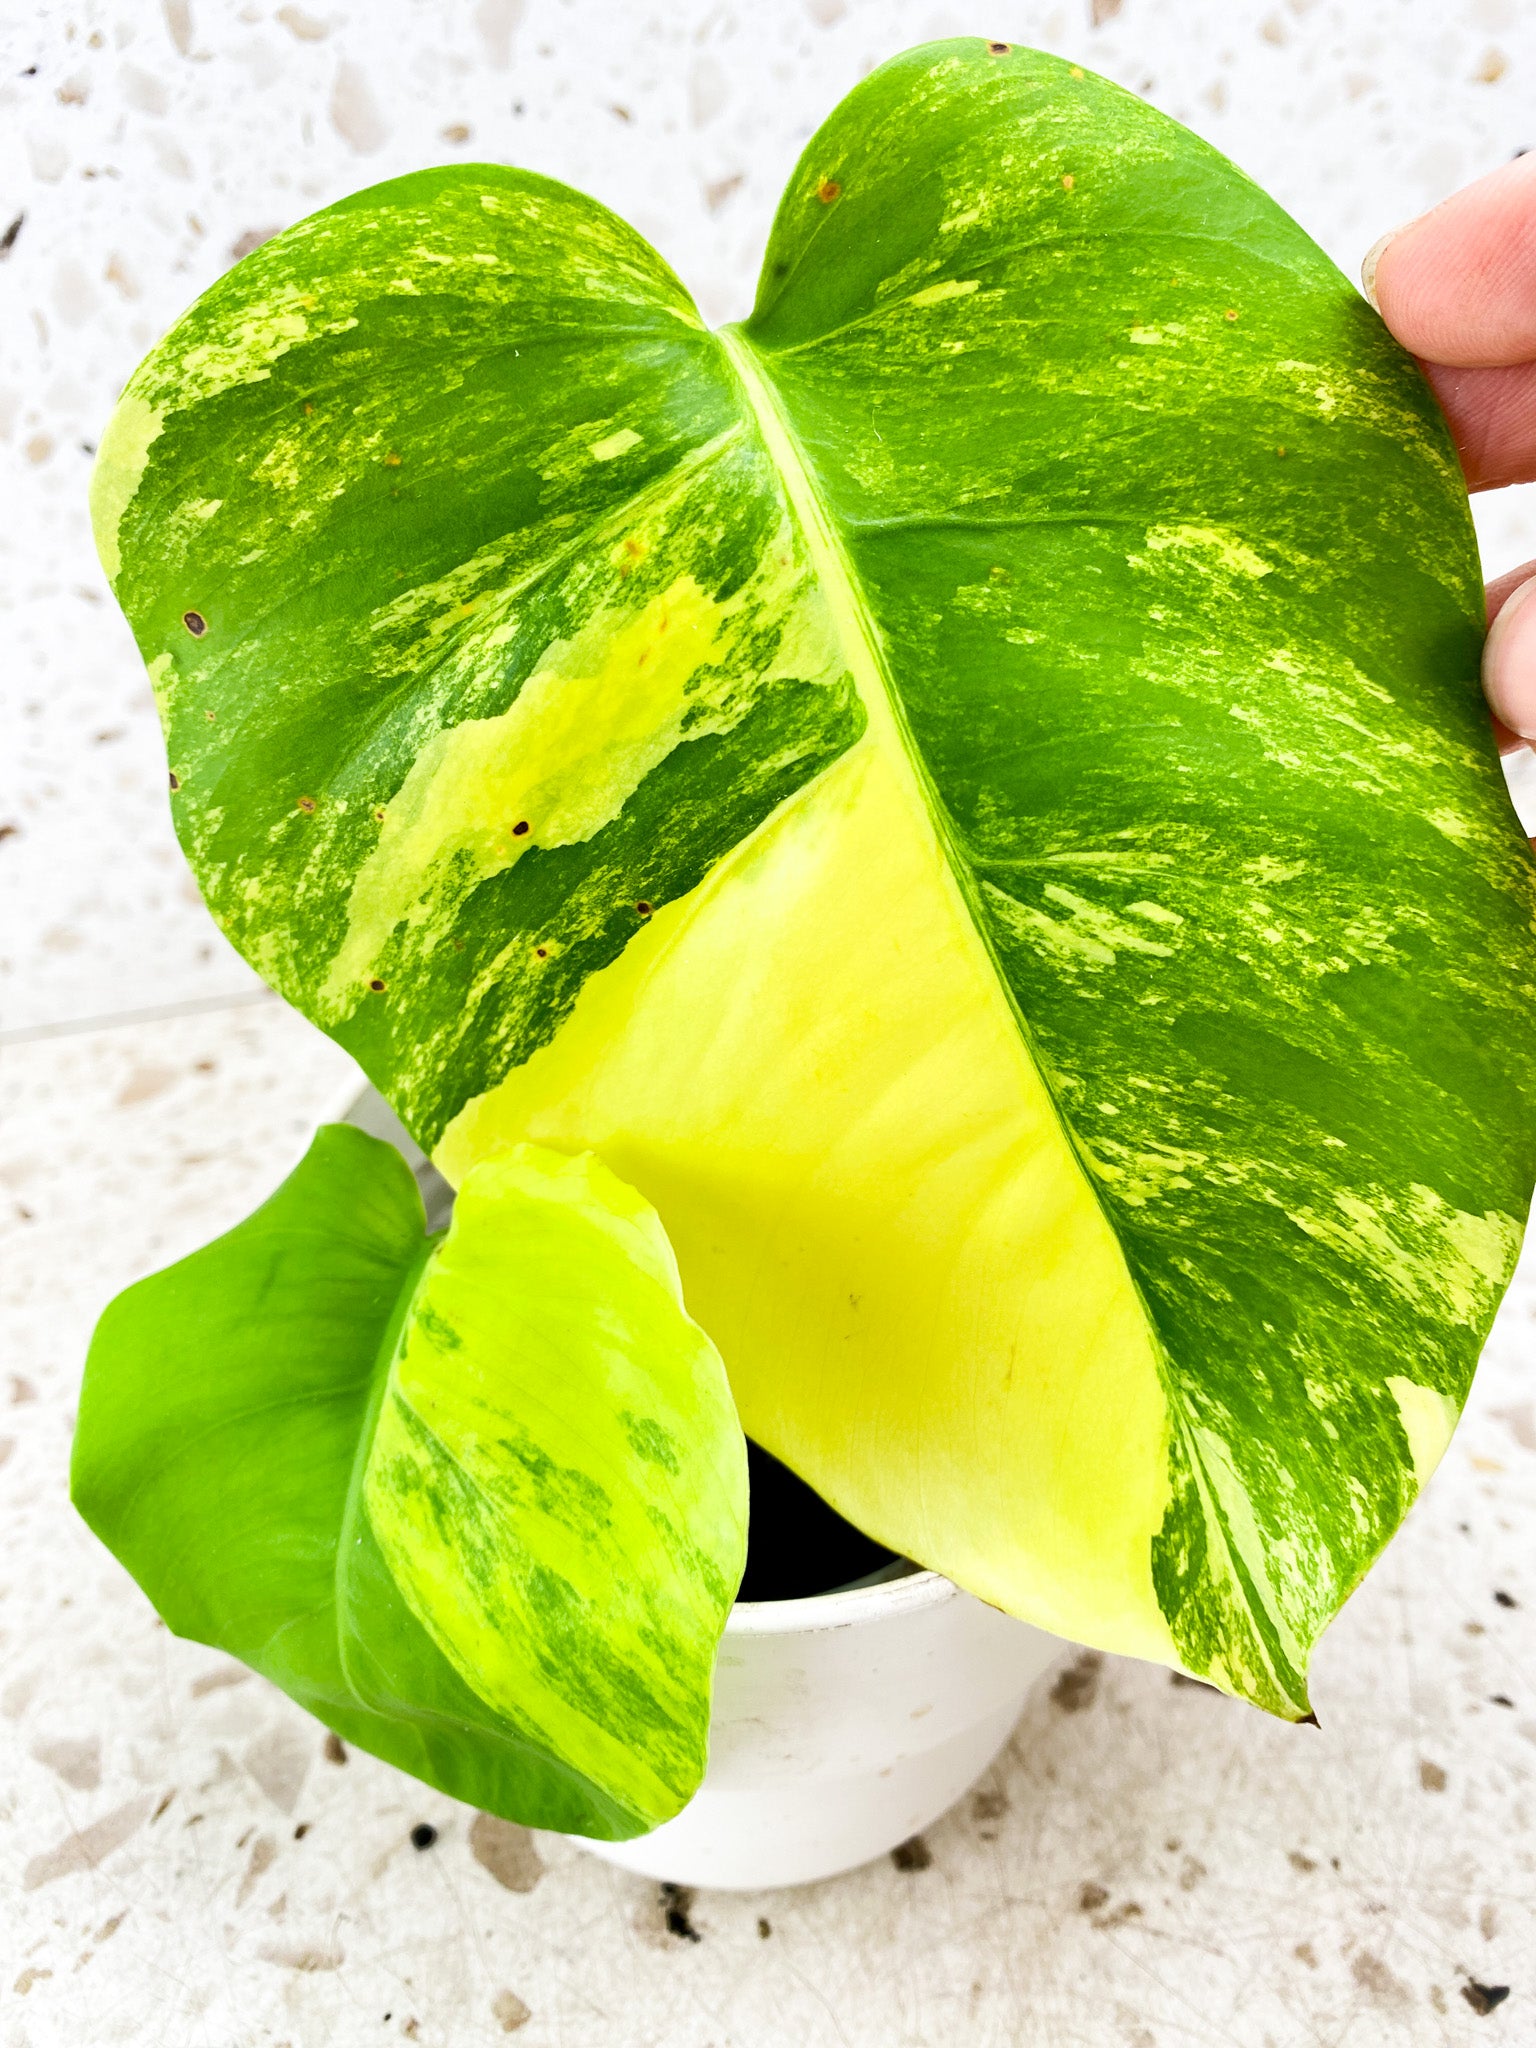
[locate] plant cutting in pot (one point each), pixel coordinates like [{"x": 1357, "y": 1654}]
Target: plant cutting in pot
[{"x": 945, "y": 836}]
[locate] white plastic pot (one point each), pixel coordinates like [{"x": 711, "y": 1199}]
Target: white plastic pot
[{"x": 842, "y": 1725}]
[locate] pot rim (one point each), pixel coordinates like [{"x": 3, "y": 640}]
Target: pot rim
[{"x": 909, "y": 1594}]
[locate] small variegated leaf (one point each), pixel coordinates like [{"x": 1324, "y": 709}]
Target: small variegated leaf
[{"x": 479, "y": 1502}]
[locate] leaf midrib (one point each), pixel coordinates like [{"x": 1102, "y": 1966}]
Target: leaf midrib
[{"x": 864, "y": 647}]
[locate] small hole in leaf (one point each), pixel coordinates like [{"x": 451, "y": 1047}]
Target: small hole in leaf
[
  {"x": 195, "y": 624},
  {"x": 828, "y": 190},
  {"x": 519, "y": 828},
  {"x": 998, "y": 49},
  {"x": 306, "y": 804},
  {"x": 377, "y": 986}
]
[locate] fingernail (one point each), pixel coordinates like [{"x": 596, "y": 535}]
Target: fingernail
[
  {"x": 1373, "y": 257},
  {"x": 1509, "y": 661}
]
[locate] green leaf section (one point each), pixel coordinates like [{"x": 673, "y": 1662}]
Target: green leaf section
[
  {"x": 969, "y": 790},
  {"x": 478, "y": 1502},
  {"x": 500, "y": 631},
  {"x": 1169, "y": 555}
]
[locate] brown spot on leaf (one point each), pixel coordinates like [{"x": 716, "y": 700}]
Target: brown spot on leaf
[
  {"x": 506, "y": 1851},
  {"x": 378, "y": 986},
  {"x": 195, "y": 624},
  {"x": 1077, "y": 1687},
  {"x": 175, "y": 780},
  {"x": 1230, "y": 314},
  {"x": 642, "y": 909},
  {"x": 391, "y": 460},
  {"x": 1068, "y": 181},
  {"x": 519, "y": 828},
  {"x": 306, "y": 804},
  {"x": 828, "y": 190},
  {"x": 998, "y": 49}
]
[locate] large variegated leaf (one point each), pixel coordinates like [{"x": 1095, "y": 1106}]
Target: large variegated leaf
[
  {"x": 479, "y": 1502},
  {"x": 969, "y": 790}
]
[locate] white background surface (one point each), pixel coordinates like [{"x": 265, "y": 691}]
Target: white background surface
[{"x": 1152, "y": 1865}]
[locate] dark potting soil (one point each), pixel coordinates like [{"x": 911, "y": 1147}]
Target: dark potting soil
[{"x": 797, "y": 1544}]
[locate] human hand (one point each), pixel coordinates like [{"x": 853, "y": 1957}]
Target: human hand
[{"x": 1458, "y": 288}]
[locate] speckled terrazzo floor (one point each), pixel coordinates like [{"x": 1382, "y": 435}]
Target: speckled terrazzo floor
[{"x": 183, "y": 1858}]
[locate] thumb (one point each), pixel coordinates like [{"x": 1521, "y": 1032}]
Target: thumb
[{"x": 1509, "y": 655}]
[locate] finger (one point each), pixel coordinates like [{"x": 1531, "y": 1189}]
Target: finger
[
  {"x": 1458, "y": 285},
  {"x": 1509, "y": 655},
  {"x": 1492, "y": 414}
]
